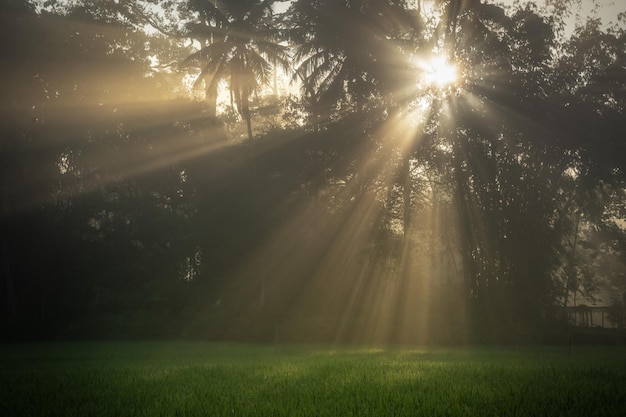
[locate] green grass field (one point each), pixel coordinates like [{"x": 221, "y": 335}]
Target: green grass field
[{"x": 203, "y": 379}]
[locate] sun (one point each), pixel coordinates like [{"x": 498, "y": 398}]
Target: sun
[{"x": 438, "y": 72}]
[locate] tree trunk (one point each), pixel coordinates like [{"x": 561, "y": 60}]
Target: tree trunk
[
  {"x": 275, "y": 81},
  {"x": 246, "y": 112},
  {"x": 406, "y": 196},
  {"x": 211, "y": 95},
  {"x": 9, "y": 279},
  {"x": 464, "y": 221},
  {"x": 245, "y": 107},
  {"x": 9, "y": 282},
  {"x": 571, "y": 280}
]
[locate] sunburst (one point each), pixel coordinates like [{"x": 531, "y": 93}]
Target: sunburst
[{"x": 437, "y": 71}]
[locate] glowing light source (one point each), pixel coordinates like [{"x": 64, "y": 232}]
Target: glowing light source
[{"x": 439, "y": 72}]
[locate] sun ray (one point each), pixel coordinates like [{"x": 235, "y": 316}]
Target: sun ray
[{"x": 437, "y": 71}]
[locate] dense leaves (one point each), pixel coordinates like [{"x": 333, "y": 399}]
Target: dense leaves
[
  {"x": 240, "y": 44},
  {"x": 375, "y": 206}
]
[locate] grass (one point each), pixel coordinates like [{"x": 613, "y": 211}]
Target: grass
[{"x": 202, "y": 379}]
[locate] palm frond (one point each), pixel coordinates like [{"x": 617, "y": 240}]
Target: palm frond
[
  {"x": 217, "y": 50},
  {"x": 258, "y": 67},
  {"x": 202, "y": 31}
]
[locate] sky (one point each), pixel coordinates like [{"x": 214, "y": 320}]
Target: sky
[{"x": 607, "y": 10}]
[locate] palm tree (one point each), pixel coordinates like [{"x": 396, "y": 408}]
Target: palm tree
[
  {"x": 345, "y": 49},
  {"x": 241, "y": 45}
]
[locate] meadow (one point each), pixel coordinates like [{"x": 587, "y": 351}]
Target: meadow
[{"x": 207, "y": 379}]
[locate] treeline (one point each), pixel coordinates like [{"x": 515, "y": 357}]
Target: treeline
[{"x": 371, "y": 207}]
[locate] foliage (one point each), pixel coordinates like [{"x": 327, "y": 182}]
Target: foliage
[
  {"x": 240, "y": 44},
  {"x": 372, "y": 207},
  {"x": 348, "y": 53}
]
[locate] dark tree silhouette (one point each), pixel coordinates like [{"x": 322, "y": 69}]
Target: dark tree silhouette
[
  {"x": 348, "y": 52},
  {"x": 467, "y": 212},
  {"x": 241, "y": 44}
]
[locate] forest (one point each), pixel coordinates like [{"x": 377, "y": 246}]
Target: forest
[{"x": 385, "y": 171}]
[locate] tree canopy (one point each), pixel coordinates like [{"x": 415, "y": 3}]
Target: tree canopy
[{"x": 436, "y": 172}]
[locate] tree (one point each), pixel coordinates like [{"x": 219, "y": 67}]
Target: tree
[
  {"x": 506, "y": 164},
  {"x": 241, "y": 46},
  {"x": 78, "y": 175},
  {"x": 348, "y": 54},
  {"x": 470, "y": 205}
]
